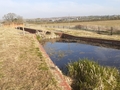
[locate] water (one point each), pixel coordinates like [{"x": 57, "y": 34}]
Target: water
[{"x": 61, "y": 53}]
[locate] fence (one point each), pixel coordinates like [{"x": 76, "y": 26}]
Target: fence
[
  {"x": 56, "y": 26},
  {"x": 100, "y": 29},
  {"x": 93, "y": 28}
]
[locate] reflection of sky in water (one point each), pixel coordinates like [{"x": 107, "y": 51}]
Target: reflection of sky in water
[{"x": 62, "y": 53}]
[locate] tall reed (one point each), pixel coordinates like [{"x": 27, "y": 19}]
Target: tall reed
[{"x": 89, "y": 75}]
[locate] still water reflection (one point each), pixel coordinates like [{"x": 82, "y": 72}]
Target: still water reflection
[{"x": 62, "y": 53}]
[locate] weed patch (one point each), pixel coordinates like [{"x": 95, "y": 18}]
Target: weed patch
[
  {"x": 88, "y": 75},
  {"x": 38, "y": 37}
]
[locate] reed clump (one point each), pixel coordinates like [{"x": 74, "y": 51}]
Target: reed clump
[{"x": 89, "y": 75}]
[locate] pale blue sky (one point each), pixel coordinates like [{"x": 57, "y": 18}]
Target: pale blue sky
[{"x": 57, "y": 8}]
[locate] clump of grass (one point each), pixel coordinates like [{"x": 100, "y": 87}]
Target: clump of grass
[
  {"x": 43, "y": 66},
  {"x": 38, "y": 37},
  {"x": 89, "y": 75},
  {"x": 39, "y": 54}
]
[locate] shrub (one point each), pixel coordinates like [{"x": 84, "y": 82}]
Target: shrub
[
  {"x": 78, "y": 27},
  {"x": 89, "y": 75}
]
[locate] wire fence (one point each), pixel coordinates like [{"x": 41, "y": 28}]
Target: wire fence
[
  {"x": 106, "y": 30},
  {"x": 100, "y": 29}
]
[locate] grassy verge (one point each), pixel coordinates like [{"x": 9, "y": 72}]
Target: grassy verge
[
  {"x": 88, "y": 75},
  {"x": 83, "y": 33},
  {"x": 22, "y": 66}
]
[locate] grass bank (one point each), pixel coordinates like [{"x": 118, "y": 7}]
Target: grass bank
[
  {"x": 22, "y": 66},
  {"x": 83, "y": 33},
  {"x": 88, "y": 75}
]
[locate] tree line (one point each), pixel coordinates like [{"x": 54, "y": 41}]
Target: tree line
[
  {"x": 73, "y": 19},
  {"x": 13, "y": 18}
]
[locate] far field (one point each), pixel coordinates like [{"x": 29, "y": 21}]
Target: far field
[
  {"x": 102, "y": 23},
  {"x": 64, "y": 27}
]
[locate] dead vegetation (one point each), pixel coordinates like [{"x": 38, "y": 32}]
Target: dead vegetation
[
  {"x": 83, "y": 33},
  {"x": 22, "y": 66},
  {"x": 75, "y": 32}
]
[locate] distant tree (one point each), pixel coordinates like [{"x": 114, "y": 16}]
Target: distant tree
[{"x": 12, "y": 18}]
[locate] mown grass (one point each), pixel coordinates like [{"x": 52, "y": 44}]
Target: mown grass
[
  {"x": 89, "y": 75},
  {"x": 22, "y": 66}
]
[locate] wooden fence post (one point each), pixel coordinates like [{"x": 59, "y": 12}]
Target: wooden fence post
[
  {"x": 98, "y": 30},
  {"x": 111, "y": 31},
  {"x": 23, "y": 30},
  {"x": 86, "y": 28}
]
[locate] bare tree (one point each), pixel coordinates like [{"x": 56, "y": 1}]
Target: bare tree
[
  {"x": 12, "y": 18},
  {"x": 19, "y": 19}
]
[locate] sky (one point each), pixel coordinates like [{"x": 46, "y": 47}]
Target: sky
[{"x": 58, "y": 8}]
